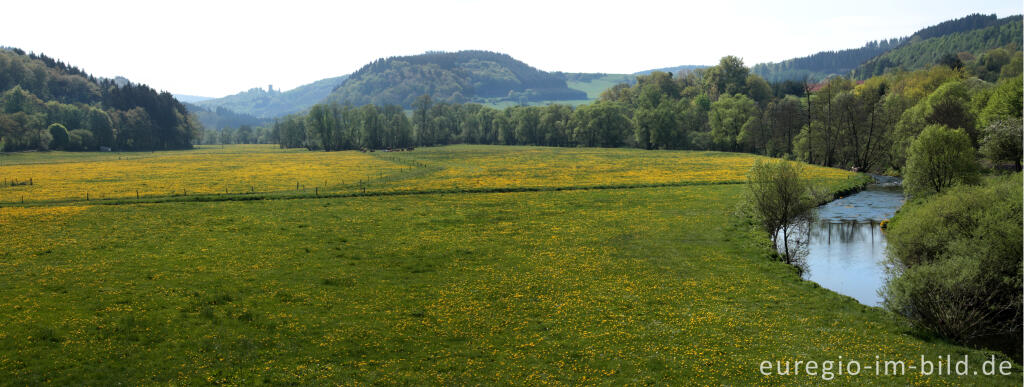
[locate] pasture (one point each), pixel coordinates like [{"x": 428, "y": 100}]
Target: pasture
[{"x": 617, "y": 266}]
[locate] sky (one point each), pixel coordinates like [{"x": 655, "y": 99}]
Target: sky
[{"x": 215, "y": 48}]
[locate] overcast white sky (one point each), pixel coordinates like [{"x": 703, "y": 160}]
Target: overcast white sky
[{"x": 215, "y": 48}]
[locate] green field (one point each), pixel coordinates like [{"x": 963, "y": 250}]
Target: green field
[
  {"x": 592, "y": 84},
  {"x": 594, "y": 87},
  {"x": 618, "y": 269}
]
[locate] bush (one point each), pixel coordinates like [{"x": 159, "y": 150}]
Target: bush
[
  {"x": 939, "y": 158},
  {"x": 956, "y": 261},
  {"x": 1002, "y": 141},
  {"x": 81, "y": 140},
  {"x": 60, "y": 136},
  {"x": 43, "y": 139}
]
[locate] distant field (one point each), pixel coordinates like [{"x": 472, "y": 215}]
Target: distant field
[
  {"x": 595, "y": 87},
  {"x": 654, "y": 285},
  {"x": 246, "y": 169},
  {"x": 508, "y": 104},
  {"x": 58, "y": 176},
  {"x": 484, "y": 166}
]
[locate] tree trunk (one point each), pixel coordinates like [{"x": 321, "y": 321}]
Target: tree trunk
[{"x": 785, "y": 243}]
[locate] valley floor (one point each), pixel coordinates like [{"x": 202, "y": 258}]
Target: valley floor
[{"x": 645, "y": 277}]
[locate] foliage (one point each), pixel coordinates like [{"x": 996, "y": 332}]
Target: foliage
[
  {"x": 921, "y": 53},
  {"x": 939, "y": 158},
  {"x": 957, "y": 261},
  {"x": 826, "y": 63},
  {"x": 1006, "y": 101},
  {"x": 862, "y": 125},
  {"x": 81, "y": 140},
  {"x": 1002, "y": 141},
  {"x": 728, "y": 78},
  {"x": 875, "y": 57},
  {"x": 779, "y": 198},
  {"x": 59, "y": 134},
  {"x": 38, "y": 92},
  {"x": 732, "y": 118}
]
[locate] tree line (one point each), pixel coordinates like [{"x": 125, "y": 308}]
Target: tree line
[
  {"x": 841, "y": 122},
  {"x": 973, "y": 33}
]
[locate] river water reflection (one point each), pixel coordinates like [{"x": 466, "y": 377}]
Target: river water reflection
[{"x": 846, "y": 247}]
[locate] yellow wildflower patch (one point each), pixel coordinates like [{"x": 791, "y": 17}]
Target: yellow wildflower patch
[
  {"x": 477, "y": 167},
  {"x": 10, "y": 215},
  {"x": 234, "y": 169}
]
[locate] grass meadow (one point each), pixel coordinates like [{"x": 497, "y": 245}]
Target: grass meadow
[{"x": 617, "y": 267}]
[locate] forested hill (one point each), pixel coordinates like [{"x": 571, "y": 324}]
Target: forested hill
[
  {"x": 272, "y": 103},
  {"x": 47, "y": 104},
  {"x": 953, "y": 48},
  {"x": 219, "y": 118},
  {"x": 464, "y": 76},
  {"x": 826, "y": 63}
]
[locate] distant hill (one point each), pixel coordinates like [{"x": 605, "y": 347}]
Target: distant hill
[
  {"x": 271, "y": 103},
  {"x": 672, "y": 70},
  {"x": 219, "y": 117},
  {"x": 456, "y": 77},
  {"x": 190, "y": 98},
  {"x": 920, "y": 53},
  {"x": 826, "y": 63}
]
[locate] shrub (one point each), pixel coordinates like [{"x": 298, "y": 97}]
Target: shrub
[
  {"x": 60, "y": 136},
  {"x": 43, "y": 139},
  {"x": 1002, "y": 141},
  {"x": 956, "y": 261},
  {"x": 939, "y": 158},
  {"x": 81, "y": 140}
]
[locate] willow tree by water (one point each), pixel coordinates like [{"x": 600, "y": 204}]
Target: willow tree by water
[{"x": 780, "y": 199}]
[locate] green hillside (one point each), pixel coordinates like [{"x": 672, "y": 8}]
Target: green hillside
[
  {"x": 827, "y": 63},
  {"x": 274, "y": 103},
  {"x": 926, "y": 52},
  {"x": 455, "y": 77},
  {"x": 47, "y": 104},
  {"x": 595, "y": 84}
]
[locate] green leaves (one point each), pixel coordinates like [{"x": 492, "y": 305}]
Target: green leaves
[{"x": 939, "y": 158}]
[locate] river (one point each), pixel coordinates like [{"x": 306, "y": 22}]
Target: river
[{"x": 846, "y": 246}]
